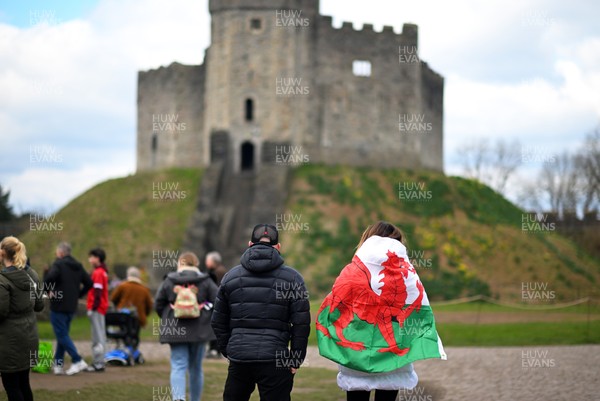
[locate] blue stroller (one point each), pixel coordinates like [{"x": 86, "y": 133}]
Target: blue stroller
[{"x": 124, "y": 327}]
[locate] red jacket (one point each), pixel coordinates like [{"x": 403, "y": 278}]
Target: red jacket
[{"x": 100, "y": 280}]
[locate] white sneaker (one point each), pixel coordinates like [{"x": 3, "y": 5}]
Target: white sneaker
[
  {"x": 76, "y": 368},
  {"x": 58, "y": 370}
]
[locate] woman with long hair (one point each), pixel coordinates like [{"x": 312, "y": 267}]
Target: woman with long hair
[
  {"x": 20, "y": 298},
  {"x": 377, "y": 320}
]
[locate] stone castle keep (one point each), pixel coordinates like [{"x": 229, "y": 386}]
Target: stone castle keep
[{"x": 280, "y": 85}]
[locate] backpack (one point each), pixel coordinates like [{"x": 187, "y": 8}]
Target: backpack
[{"x": 186, "y": 303}]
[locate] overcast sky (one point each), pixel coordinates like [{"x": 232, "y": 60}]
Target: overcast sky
[{"x": 526, "y": 70}]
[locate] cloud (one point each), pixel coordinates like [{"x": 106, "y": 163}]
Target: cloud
[
  {"x": 71, "y": 86},
  {"x": 532, "y": 111},
  {"x": 42, "y": 188}
]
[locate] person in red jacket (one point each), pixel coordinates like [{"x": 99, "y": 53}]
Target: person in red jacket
[{"x": 97, "y": 305}]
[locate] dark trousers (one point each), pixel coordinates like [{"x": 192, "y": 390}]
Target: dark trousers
[
  {"x": 274, "y": 383},
  {"x": 380, "y": 395},
  {"x": 17, "y": 386},
  {"x": 61, "y": 324}
]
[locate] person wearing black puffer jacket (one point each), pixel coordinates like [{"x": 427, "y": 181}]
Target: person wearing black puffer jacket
[{"x": 262, "y": 321}]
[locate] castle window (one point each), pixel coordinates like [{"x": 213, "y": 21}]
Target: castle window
[
  {"x": 249, "y": 110},
  {"x": 361, "y": 68},
  {"x": 255, "y": 24},
  {"x": 154, "y": 142}
]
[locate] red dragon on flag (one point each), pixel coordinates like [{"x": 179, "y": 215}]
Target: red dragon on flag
[{"x": 372, "y": 300}]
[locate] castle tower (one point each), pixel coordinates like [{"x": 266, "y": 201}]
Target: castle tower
[
  {"x": 258, "y": 48},
  {"x": 278, "y": 74}
]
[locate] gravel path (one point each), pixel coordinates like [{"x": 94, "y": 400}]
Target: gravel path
[{"x": 549, "y": 373}]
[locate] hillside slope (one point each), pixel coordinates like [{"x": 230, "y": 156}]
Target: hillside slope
[
  {"x": 132, "y": 218},
  {"x": 464, "y": 238}
]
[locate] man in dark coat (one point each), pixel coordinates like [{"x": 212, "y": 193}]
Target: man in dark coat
[
  {"x": 66, "y": 281},
  {"x": 262, "y": 321}
]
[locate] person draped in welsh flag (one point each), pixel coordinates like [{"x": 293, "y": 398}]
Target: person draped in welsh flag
[{"x": 377, "y": 319}]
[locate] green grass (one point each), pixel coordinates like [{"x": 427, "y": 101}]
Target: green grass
[
  {"x": 483, "y": 204},
  {"x": 519, "y": 334},
  {"x": 124, "y": 217},
  {"x": 484, "y": 307},
  {"x": 80, "y": 329},
  {"x": 310, "y": 384},
  {"x": 112, "y": 391}
]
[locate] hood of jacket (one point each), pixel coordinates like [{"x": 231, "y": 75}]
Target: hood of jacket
[
  {"x": 260, "y": 258},
  {"x": 188, "y": 276},
  {"x": 20, "y": 278}
]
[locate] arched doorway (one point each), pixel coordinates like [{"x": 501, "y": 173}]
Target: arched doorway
[{"x": 247, "y": 156}]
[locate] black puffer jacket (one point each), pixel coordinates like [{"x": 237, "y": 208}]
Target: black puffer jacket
[
  {"x": 173, "y": 330},
  {"x": 261, "y": 309},
  {"x": 66, "y": 282}
]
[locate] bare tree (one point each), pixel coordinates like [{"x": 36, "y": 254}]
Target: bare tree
[
  {"x": 552, "y": 182},
  {"x": 474, "y": 157},
  {"x": 492, "y": 165},
  {"x": 506, "y": 160},
  {"x": 588, "y": 166},
  {"x": 529, "y": 196},
  {"x": 570, "y": 184}
]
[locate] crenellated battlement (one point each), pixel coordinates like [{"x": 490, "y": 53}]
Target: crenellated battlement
[{"x": 410, "y": 32}]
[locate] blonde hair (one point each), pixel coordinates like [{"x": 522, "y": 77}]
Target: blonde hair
[
  {"x": 189, "y": 259},
  {"x": 382, "y": 229},
  {"x": 14, "y": 250}
]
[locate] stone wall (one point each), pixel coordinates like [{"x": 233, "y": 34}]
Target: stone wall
[
  {"x": 359, "y": 115},
  {"x": 298, "y": 79},
  {"x": 432, "y": 146},
  {"x": 170, "y": 117},
  {"x": 250, "y": 63}
]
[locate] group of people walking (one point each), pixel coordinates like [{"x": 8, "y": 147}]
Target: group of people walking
[
  {"x": 256, "y": 315},
  {"x": 22, "y": 294},
  {"x": 65, "y": 282}
]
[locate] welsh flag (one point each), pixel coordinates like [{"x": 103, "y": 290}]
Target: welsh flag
[{"x": 377, "y": 317}]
